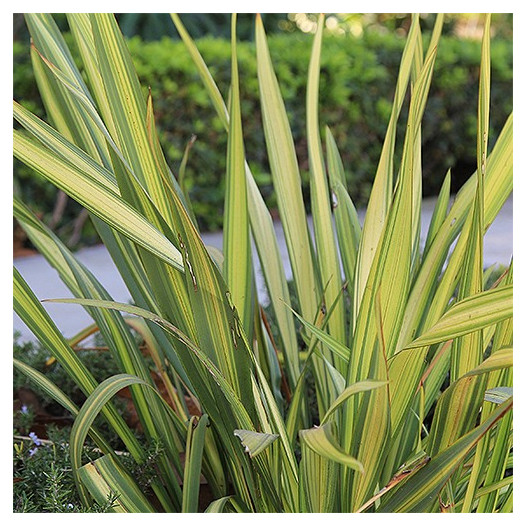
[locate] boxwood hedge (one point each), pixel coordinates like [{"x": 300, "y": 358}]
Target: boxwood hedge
[{"x": 356, "y": 92}]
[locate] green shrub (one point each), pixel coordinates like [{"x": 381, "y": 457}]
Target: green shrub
[
  {"x": 101, "y": 364},
  {"x": 355, "y": 93},
  {"x": 98, "y": 361},
  {"x": 43, "y": 481}
]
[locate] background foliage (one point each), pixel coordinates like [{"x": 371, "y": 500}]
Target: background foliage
[{"x": 355, "y": 93}]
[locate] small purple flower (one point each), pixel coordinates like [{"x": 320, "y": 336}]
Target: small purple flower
[
  {"x": 24, "y": 410},
  {"x": 32, "y": 451},
  {"x": 35, "y": 439}
]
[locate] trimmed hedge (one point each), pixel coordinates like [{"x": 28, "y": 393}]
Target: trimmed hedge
[{"x": 356, "y": 90}]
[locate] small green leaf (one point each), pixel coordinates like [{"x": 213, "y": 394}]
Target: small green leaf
[
  {"x": 254, "y": 442},
  {"x": 498, "y": 395}
]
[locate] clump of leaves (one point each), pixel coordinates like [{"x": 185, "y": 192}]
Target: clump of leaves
[{"x": 414, "y": 321}]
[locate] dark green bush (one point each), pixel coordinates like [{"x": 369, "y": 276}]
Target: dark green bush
[
  {"x": 43, "y": 481},
  {"x": 356, "y": 92},
  {"x": 42, "y": 477},
  {"x": 100, "y": 363}
]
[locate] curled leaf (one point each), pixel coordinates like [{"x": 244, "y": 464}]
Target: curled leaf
[
  {"x": 254, "y": 442},
  {"x": 323, "y": 442}
]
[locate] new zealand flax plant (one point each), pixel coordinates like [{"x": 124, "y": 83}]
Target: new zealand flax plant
[{"x": 409, "y": 350}]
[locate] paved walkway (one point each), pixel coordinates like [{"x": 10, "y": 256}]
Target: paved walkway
[{"x": 44, "y": 280}]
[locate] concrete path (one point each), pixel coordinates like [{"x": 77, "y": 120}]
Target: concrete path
[{"x": 44, "y": 280}]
